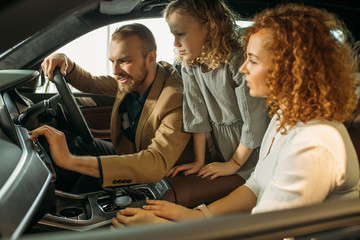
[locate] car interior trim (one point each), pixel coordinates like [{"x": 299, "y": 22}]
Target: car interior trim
[{"x": 8, "y": 190}]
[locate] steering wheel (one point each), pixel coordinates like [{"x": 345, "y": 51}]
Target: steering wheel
[{"x": 73, "y": 111}]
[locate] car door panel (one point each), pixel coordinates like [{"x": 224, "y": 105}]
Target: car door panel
[
  {"x": 96, "y": 109},
  {"x": 98, "y": 119}
]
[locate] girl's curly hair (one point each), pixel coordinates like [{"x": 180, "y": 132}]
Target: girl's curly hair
[
  {"x": 313, "y": 72},
  {"x": 356, "y": 54},
  {"x": 224, "y": 34}
]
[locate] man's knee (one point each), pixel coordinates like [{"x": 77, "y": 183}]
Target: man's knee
[{"x": 79, "y": 147}]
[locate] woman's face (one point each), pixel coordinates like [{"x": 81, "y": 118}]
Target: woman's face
[
  {"x": 190, "y": 35},
  {"x": 258, "y": 63}
]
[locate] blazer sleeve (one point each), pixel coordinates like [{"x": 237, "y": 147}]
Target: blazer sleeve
[
  {"x": 85, "y": 82},
  {"x": 153, "y": 162}
]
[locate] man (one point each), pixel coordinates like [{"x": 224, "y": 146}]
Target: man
[{"x": 146, "y": 121}]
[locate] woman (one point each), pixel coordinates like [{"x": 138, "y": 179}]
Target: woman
[{"x": 308, "y": 79}]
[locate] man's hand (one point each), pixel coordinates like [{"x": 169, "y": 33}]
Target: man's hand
[
  {"x": 57, "y": 144},
  {"x": 57, "y": 60}
]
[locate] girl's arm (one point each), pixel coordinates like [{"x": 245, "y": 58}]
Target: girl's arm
[
  {"x": 218, "y": 169},
  {"x": 241, "y": 155},
  {"x": 199, "y": 152},
  {"x": 199, "y": 148}
]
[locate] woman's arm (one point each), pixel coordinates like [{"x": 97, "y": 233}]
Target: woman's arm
[{"x": 241, "y": 199}]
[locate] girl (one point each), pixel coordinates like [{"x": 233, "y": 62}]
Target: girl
[
  {"x": 216, "y": 98},
  {"x": 306, "y": 156}
]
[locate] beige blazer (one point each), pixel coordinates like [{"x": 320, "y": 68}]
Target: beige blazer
[{"x": 159, "y": 141}]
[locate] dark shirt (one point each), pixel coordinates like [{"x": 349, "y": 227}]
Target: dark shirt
[{"x": 130, "y": 110}]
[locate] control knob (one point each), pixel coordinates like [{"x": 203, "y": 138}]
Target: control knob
[{"x": 122, "y": 201}]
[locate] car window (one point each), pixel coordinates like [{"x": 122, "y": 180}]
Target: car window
[{"x": 91, "y": 51}]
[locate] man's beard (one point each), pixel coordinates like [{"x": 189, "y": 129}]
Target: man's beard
[
  {"x": 128, "y": 87},
  {"x": 134, "y": 83}
]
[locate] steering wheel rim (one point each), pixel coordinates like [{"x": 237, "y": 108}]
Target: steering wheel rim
[{"x": 76, "y": 117}]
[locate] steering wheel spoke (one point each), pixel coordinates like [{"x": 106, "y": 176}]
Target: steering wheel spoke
[{"x": 74, "y": 116}]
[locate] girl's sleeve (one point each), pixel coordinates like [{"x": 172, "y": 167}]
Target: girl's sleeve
[
  {"x": 253, "y": 109},
  {"x": 195, "y": 113}
]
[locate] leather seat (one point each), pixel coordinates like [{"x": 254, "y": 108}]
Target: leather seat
[{"x": 353, "y": 127}]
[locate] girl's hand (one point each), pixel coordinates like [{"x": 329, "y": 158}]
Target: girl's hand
[
  {"x": 218, "y": 169},
  {"x": 188, "y": 168},
  {"x": 171, "y": 211}
]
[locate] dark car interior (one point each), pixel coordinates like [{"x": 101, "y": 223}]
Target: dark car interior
[{"x": 46, "y": 209}]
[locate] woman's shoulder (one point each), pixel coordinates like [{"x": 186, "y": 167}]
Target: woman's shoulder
[{"x": 319, "y": 132}]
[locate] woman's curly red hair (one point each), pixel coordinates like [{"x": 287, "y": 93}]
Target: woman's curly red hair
[{"x": 313, "y": 73}]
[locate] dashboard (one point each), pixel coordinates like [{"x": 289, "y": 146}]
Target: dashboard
[
  {"x": 29, "y": 201},
  {"x": 24, "y": 177}
]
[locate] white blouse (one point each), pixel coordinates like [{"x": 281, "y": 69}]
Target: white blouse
[{"x": 312, "y": 163}]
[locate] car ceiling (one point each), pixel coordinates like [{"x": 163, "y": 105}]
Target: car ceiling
[
  {"x": 348, "y": 11},
  {"x": 20, "y": 19}
]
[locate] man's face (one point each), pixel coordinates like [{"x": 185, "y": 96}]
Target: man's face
[{"x": 128, "y": 63}]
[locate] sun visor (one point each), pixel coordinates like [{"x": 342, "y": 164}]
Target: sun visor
[
  {"x": 118, "y": 7},
  {"x": 11, "y": 78}
]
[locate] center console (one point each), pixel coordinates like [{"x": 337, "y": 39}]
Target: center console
[{"x": 96, "y": 209}]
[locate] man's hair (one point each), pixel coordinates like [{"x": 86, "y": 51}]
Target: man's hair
[{"x": 136, "y": 29}]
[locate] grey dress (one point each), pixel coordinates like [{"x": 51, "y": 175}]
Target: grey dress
[{"x": 219, "y": 101}]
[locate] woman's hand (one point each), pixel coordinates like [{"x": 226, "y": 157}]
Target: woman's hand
[
  {"x": 136, "y": 216},
  {"x": 188, "y": 168},
  {"x": 171, "y": 211},
  {"x": 218, "y": 169}
]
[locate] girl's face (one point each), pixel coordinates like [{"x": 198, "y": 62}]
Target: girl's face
[
  {"x": 258, "y": 63},
  {"x": 190, "y": 35}
]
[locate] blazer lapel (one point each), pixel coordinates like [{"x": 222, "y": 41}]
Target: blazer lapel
[{"x": 150, "y": 103}]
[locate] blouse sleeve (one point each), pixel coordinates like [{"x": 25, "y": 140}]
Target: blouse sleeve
[
  {"x": 252, "y": 184},
  {"x": 304, "y": 175},
  {"x": 252, "y": 109},
  {"x": 195, "y": 114}
]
